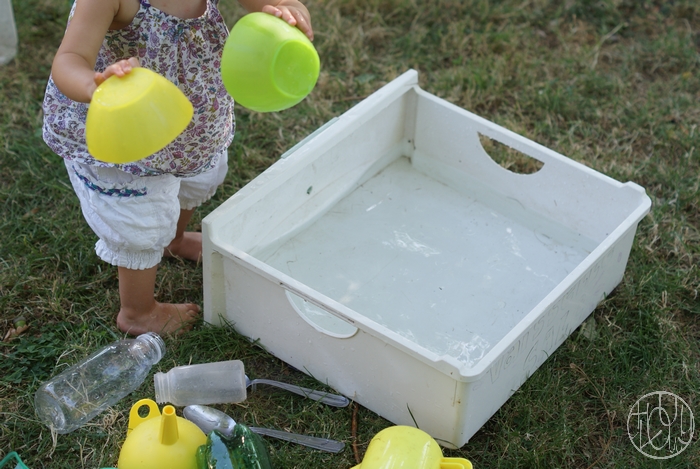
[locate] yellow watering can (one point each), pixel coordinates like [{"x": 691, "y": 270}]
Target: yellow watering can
[
  {"x": 159, "y": 441},
  {"x": 404, "y": 447}
]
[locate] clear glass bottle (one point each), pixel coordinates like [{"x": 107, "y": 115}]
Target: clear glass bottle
[
  {"x": 72, "y": 398},
  {"x": 206, "y": 383}
]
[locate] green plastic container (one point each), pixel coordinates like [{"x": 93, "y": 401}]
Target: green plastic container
[
  {"x": 12, "y": 461},
  {"x": 268, "y": 65},
  {"x": 242, "y": 450}
]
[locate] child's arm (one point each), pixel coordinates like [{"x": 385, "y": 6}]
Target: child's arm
[
  {"x": 73, "y": 68},
  {"x": 292, "y": 11}
]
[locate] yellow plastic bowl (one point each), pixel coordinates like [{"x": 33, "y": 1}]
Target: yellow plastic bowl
[
  {"x": 268, "y": 65},
  {"x": 403, "y": 447},
  {"x": 132, "y": 117}
]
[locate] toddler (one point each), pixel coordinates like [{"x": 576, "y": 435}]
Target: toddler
[{"x": 139, "y": 211}]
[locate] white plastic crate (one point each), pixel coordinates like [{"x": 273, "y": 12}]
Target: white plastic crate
[{"x": 389, "y": 256}]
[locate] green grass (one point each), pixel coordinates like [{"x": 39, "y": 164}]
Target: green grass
[{"x": 613, "y": 84}]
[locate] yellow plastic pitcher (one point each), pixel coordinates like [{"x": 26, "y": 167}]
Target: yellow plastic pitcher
[
  {"x": 134, "y": 116},
  {"x": 160, "y": 441},
  {"x": 403, "y": 447}
]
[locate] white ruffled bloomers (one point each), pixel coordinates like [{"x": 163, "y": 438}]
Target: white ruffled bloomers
[{"x": 134, "y": 217}]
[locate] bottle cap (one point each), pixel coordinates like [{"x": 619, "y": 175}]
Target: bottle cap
[{"x": 154, "y": 346}]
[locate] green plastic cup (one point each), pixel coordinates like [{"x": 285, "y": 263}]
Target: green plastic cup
[{"x": 268, "y": 65}]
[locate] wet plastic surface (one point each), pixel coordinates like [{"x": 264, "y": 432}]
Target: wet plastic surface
[{"x": 441, "y": 268}]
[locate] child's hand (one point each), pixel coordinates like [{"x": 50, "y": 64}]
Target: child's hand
[
  {"x": 294, "y": 13},
  {"x": 119, "y": 69}
]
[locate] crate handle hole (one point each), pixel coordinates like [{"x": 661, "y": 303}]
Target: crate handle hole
[
  {"x": 320, "y": 319},
  {"x": 509, "y": 158}
]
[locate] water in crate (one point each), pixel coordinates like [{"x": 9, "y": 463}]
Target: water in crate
[{"x": 432, "y": 263}]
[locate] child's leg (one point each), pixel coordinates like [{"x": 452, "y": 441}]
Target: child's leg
[
  {"x": 135, "y": 219},
  {"x": 186, "y": 244},
  {"x": 193, "y": 192},
  {"x": 140, "y": 312}
]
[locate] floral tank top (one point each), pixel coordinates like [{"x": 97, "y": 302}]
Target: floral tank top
[{"x": 185, "y": 51}]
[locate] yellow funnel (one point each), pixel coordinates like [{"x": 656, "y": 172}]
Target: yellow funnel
[{"x": 160, "y": 441}]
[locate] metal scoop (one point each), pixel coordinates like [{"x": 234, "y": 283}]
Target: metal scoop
[
  {"x": 320, "y": 396},
  {"x": 208, "y": 419}
]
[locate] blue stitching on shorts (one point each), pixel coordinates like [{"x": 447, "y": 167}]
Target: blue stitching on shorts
[{"x": 111, "y": 192}]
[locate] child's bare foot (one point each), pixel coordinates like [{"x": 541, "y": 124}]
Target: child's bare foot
[
  {"x": 163, "y": 319},
  {"x": 188, "y": 246}
]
